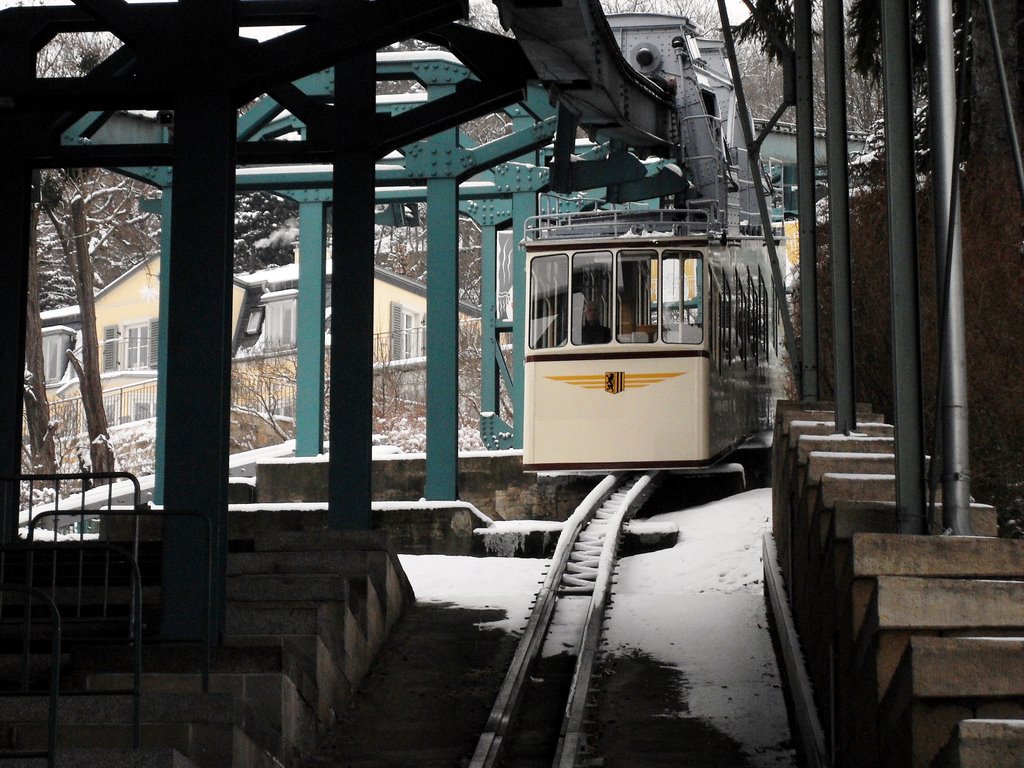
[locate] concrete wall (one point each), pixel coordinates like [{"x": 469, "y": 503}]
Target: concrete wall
[{"x": 495, "y": 484}]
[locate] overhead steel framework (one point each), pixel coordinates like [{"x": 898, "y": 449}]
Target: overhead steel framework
[{"x": 189, "y": 61}]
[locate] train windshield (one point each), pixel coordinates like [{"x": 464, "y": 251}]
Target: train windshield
[
  {"x": 632, "y": 296},
  {"x": 592, "y": 286},
  {"x": 549, "y": 300}
]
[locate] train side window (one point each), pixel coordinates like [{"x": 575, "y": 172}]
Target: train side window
[
  {"x": 637, "y": 288},
  {"x": 591, "y": 297},
  {"x": 549, "y": 301},
  {"x": 725, "y": 325},
  {"x": 682, "y": 300}
]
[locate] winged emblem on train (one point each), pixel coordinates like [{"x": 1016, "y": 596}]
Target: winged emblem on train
[{"x": 614, "y": 382}]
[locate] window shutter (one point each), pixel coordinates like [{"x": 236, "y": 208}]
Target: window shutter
[
  {"x": 397, "y": 332},
  {"x": 154, "y": 342},
  {"x": 110, "y": 348}
]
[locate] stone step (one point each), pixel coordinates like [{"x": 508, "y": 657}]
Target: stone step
[
  {"x": 200, "y": 726},
  {"x": 808, "y": 444},
  {"x": 940, "y": 681},
  {"x": 901, "y": 608},
  {"x": 969, "y": 557},
  {"x": 290, "y": 617},
  {"x": 848, "y": 462},
  {"x": 788, "y": 412},
  {"x": 320, "y": 541},
  {"x": 847, "y": 486},
  {"x": 144, "y": 757},
  {"x": 281, "y": 587},
  {"x": 799, "y": 428},
  {"x": 344, "y": 562},
  {"x": 995, "y": 743},
  {"x": 852, "y": 517}
]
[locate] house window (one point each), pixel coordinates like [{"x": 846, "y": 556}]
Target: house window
[
  {"x": 407, "y": 333},
  {"x": 136, "y": 346},
  {"x": 279, "y": 328},
  {"x": 54, "y": 356}
]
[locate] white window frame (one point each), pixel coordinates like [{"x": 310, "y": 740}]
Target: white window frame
[
  {"x": 136, "y": 355},
  {"x": 408, "y": 328},
  {"x": 55, "y": 346},
  {"x": 280, "y": 323}
]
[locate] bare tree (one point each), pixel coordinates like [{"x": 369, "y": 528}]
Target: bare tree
[
  {"x": 41, "y": 450},
  {"x": 68, "y": 218}
]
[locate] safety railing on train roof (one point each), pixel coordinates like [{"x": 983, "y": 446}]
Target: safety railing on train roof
[
  {"x": 22, "y": 677},
  {"x": 89, "y": 514},
  {"x": 682, "y": 222}
]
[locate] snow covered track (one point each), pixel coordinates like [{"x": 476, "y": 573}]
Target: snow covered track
[{"x": 581, "y": 569}]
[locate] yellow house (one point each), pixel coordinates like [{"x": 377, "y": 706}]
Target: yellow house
[{"x": 264, "y": 315}]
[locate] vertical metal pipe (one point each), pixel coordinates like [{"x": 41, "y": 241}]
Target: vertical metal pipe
[
  {"x": 952, "y": 406},
  {"x": 309, "y": 376},
  {"x": 802, "y": 37},
  {"x": 350, "y": 466},
  {"x": 906, "y": 323},
  {"x": 839, "y": 218},
  {"x": 442, "y": 338}
]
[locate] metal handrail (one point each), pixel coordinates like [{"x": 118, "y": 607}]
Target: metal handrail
[
  {"x": 135, "y": 615},
  {"x": 163, "y": 513},
  {"x": 137, "y": 511},
  {"x": 54, "y": 691},
  {"x": 88, "y": 482}
]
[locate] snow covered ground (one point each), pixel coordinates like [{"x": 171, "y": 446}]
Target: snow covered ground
[{"x": 697, "y": 607}]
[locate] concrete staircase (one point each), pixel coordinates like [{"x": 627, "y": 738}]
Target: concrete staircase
[
  {"x": 306, "y": 612},
  {"x": 913, "y": 644}
]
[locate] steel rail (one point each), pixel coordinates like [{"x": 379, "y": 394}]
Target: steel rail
[
  {"x": 571, "y": 737},
  {"x": 504, "y": 711}
]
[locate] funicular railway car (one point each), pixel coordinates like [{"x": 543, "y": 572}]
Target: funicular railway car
[{"x": 651, "y": 342}]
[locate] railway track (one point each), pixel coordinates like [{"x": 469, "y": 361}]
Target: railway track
[{"x": 539, "y": 713}]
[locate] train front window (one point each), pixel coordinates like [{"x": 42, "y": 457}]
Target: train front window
[
  {"x": 549, "y": 301},
  {"x": 591, "y": 297},
  {"x": 637, "y": 288},
  {"x": 682, "y": 300}
]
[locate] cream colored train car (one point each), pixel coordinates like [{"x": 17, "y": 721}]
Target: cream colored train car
[{"x": 648, "y": 345}]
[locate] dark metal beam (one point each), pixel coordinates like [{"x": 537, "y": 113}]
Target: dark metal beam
[
  {"x": 199, "y": 323},
  {"x": 351, "y": 396},
  {"x": 15, "y": 208}
]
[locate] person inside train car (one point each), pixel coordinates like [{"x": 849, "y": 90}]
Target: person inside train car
[{"x": 593, "y": 332}]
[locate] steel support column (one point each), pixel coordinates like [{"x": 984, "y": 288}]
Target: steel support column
[
  {"x": 15, "y": 216},
  {"x": 309, "y": 376},
  {"x": 199, "y": 322},
  {"x": 524, "y": 205},
  {"x": 159, "y": 447},
  {"x": 906, "y": 322},
  {"x": 442, "y": 338},
  {"x": 802, "y": 36},
  {"x": 490, "y": 374},
  {"x": 951, "y": 410},
  {"x": 839, "y": 219},
  {"x": 350, "y": 466}
]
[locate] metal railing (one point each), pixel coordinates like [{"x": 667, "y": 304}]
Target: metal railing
[
  {"x": 25, "y": 686},
  {"x": 618, "y": 223},
  {"x": 80, "y": 582}
]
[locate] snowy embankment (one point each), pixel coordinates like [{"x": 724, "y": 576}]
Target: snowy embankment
[{"x": 697, "y": 607}]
